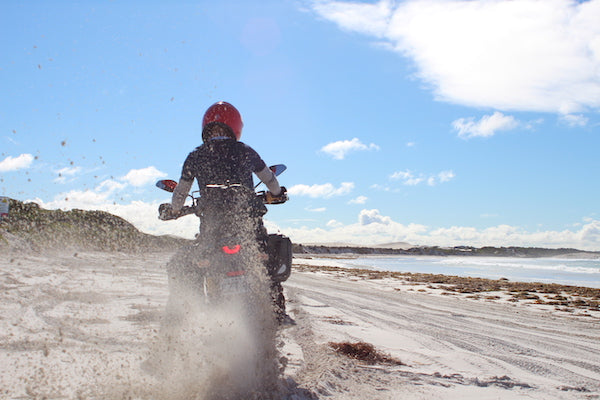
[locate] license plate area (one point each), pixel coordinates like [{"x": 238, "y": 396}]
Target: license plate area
[{"x": 234, "y": 284}]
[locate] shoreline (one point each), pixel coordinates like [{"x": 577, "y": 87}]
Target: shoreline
[
  {"x": 467, "y": 251},
  {"x": 567, "y": 271},
  {"x": 574, "y": 300},
  {"x": 581, "y": 255}
]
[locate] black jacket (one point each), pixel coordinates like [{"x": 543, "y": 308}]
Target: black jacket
[{"x": 222, "y": 161}]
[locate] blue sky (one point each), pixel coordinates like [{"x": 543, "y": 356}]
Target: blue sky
[{"x": 429, "y": 122}]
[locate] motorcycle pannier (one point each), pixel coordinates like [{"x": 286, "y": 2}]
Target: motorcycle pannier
[{"x": 279, "y": 248}]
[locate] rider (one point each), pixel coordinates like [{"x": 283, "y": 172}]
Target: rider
[{"x": 222, "y": 160}]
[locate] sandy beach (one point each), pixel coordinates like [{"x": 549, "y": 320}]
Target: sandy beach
[{"x": 80, "y": 325}]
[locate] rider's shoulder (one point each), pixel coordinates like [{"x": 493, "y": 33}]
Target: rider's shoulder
[
  {"x": 221, "y": 145},
  {"x": 245, "y": 146}
]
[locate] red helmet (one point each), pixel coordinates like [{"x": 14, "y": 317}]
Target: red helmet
[{"x": 224, "y": 113}]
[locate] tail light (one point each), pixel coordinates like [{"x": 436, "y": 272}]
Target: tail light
[{"x": 231, "y": 250}]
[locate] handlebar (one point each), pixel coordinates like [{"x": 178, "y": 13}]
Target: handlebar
[
  {"x": 268, "y": 198},
  {"x": 165, "y": 212}
]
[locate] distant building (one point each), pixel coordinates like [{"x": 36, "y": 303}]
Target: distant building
[{"x": 3, "y": 207}]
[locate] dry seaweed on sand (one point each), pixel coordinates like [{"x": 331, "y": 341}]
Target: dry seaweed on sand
[
  {"x": 556, "y": 294},
  {"x": 365, "y": 352}
]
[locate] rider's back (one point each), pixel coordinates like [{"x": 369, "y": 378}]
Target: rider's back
[{"x": 222, "y": 161}]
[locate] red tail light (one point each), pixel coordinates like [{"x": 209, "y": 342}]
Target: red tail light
[{"x": 231, "y": 250}]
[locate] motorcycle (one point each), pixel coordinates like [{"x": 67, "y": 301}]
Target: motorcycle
[
  {"x": 222, "y": 258},
  {"x": 220, "y": 289}
]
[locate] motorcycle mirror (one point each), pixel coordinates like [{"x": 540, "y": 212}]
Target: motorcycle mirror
[
  {"x": 167, "y": 184},
  {"x": 278, "y": 169}
]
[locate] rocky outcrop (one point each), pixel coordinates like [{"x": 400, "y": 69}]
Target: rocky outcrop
[{"x": 29, "y": 226}]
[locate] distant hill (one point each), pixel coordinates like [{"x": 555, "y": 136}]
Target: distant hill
[
  {"x": 29, "y": 227},
  {"x": 444, "y": 251},
  {"x": 394, "y": 245}
]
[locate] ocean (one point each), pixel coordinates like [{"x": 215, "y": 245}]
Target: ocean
[{"x": 566, "y": 271}]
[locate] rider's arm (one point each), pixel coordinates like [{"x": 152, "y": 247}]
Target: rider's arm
[
  {"x": 180, "y": 194},
  {"x": 268, "y": 178}
]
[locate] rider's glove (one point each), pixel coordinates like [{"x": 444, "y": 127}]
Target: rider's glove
[
  {"x": 282, "y": 197},
  {"x": 165, "y": 212}
]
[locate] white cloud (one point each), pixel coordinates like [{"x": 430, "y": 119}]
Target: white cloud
[
  {"x": 142, "y": 215},
  {"x": 371, "y": 227},
  {"x": 407, "y": 177},
  {"x": 590, "y": 232},
  {"x": 489, "y": 215},
  {"x": 446, "y": 176},
  {"x": 527, "y": 55},
  {"x": 81, "y": 199},
  {"x": 325, "y": 190},
  {"x": 144, "y": 176},
  {"x": 374, "y": 228},
  {"x": 575, "y": 120},
  {"x": 371, "y": 19},
  {"x": 367, "y": 217},
  {"x": 109, "y": 196},
  {"x": 15, "y": 163},
  {"x": 319, "y": 209},
  {"x": 332, "y": 223},
  {"x": 68, "y": 171},
  {"x": 110, "y": 186},
  {"x": 359, "y": 200},
  {"x": 63, "y": 173},
  {"x": 487, "y": 126},
  {"x": 338, "y": 150},
  {"x": 410, "y": 179}
]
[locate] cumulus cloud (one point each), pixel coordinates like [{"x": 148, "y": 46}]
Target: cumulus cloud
[
  {"x": 487, "y": 126},
  {"x": 63, "y": 173},
  {"x": 367, "y": 217},
  {"x": 374, "y": 228},
  {"x": 359, "y": 200},
  {"x": 371, "y": 227},
  {"x": 110, "y": 186},
  {"x": 144, "y": 176},
  {"x": 82, "y": 199},
  {"x": 409, "y": 178},
  {"x": 325, "y": 190},
  {"x": 590, "y": 232},
  {"x": 16, "y": 163},
  {"x": 338, "y": 150},
  {"x": 110, "y": 194},
  {"x": 68, "y": 171},
  {"x": 89, "y": 199},
  {"x": 332, "y": 223},
  {"x": 575, "y": 120},
  {"x": 446, "y": 176},
  {"x": 143, "y": 215},
  {"x": 526, "y": 55},
  {"x": 371, "y": 19}
]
